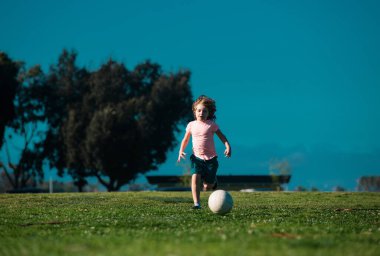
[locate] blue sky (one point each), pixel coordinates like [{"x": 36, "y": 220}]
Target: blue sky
[{"x": 296, "y": 81}]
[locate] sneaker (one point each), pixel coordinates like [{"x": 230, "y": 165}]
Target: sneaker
[
  {"x": 196, "y": 207},
  {"x": 215, "y": 186}
]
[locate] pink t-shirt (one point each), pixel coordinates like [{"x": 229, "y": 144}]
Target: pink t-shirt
[{"x": 203, "y": 138}]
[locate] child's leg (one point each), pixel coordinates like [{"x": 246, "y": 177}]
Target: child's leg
[
  {"x": 210, "y": 181},
  {"x": 196, "y": 187}
]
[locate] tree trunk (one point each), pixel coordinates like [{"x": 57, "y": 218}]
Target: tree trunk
[
  {"x": 80, "y": 183},
  {"x": 112, "y": 188}
]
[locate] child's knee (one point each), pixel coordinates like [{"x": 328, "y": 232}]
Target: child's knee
[{"x": 196, "y": 178}]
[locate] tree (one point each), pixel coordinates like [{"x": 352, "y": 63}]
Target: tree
[
  {"x": 127, "y": 121},
  {"x": 339, "y": 189},
  {"x": 8, "y": 86},
  {"x": 25, "y": 168},
  {"x": 369, "y": 183},
  {"x": 300, "y": 189},
  {"x": 60, "y": 95},
  {"x": 280, "y": 167},
  {"x": 111, "y": 123}
]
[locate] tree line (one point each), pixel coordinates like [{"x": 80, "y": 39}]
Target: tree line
[{"x": 111, "y": 123}]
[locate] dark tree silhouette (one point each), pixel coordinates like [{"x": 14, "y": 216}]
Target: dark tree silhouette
[
  {"x": 127, "y": 121},
  {"x": 63, "y": 91},
  {"x": 8, "y": 86},
  {"x": 24, "y": 127},
  {"x": 112, "y": 123}
]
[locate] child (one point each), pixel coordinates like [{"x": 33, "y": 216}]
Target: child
[{"x": 204, "y": 160}]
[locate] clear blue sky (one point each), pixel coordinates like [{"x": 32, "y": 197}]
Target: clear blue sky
[{"x": 293, "y": 80}]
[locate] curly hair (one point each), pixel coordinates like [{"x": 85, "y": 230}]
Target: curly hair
[{"x": 208, "y": 103}]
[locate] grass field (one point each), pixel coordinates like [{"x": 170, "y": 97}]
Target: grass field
[{"x": 162, "y": 223}]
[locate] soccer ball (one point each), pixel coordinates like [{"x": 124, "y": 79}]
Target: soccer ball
[{"x": 220, "y": 202}]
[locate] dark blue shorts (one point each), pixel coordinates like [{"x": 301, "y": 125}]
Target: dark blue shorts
[{"x": 206, "y": 168}]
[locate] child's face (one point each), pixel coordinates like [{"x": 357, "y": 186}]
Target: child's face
[{"x": 201, "y": 112}]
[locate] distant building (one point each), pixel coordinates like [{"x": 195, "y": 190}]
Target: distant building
[{"x": 226, "y": 182}]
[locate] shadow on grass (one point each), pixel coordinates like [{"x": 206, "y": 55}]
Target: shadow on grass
[
  {"x": 43, "y": 223},
  {"x": 170, "y": 200}
]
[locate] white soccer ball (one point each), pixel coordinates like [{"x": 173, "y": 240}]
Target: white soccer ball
[{"x": 220, "y": 202}]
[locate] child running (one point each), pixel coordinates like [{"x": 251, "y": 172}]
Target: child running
[{"x": 204, "y": 160}]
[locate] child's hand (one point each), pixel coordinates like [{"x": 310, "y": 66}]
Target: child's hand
[
  {"x": 181, "y": 155},
  {"x": 227, "y": 152}
]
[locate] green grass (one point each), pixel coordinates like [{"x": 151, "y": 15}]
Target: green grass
[{"x": 162, "y": 223}]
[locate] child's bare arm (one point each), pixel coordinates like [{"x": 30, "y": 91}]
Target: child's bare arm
[
  {"x": 223, "y": 138},
  {"x": 184, "y": 143}
]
